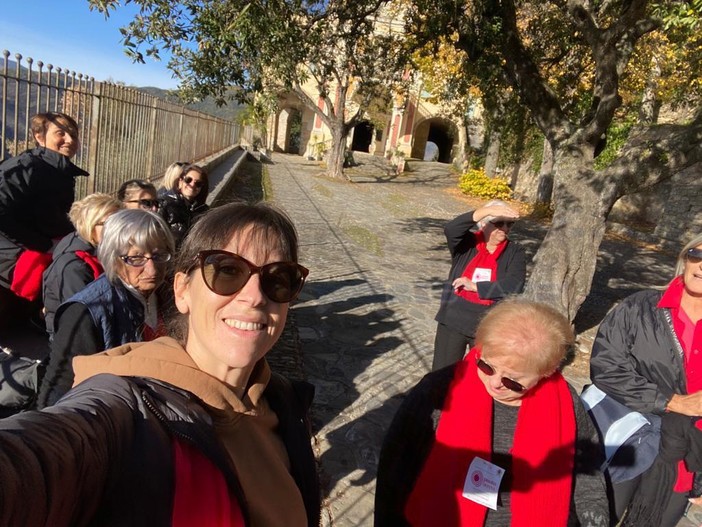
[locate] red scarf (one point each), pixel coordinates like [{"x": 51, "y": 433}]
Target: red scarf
[
  {"x": 544, "y": 439},
  {"x": 201, "y": 494},
  {"x": 92, "y": 262},
  {"x": 692, "y": 364},
  {"x": 484, "y": 260}
]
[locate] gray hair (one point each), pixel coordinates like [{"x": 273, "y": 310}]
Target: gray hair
[
  {"x": 488, "y": 219},
  {"x": 132, "y": 228},
  {"x": 680, "y": 264}
]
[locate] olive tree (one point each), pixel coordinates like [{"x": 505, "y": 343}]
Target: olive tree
[{"x": 345, "y": 50}]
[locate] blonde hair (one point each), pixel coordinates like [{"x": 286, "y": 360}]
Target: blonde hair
[
  {"x": 536, "y": 332},
  {"x": 172, "y": 175},
  {"x": 680, "y": 264},
  {"x": 86, "y": 213}
]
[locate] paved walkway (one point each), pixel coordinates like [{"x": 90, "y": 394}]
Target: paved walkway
[{"x": 364, "y": 322}]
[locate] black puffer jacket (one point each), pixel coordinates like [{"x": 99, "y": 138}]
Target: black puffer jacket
[
  {"x": 180, "y": 214},
  {"x": 68, "y": 274},
  {"x": 103, "y": 455},
  {"x": 36, "y": 193},
  {"x": 636, "y": 357}
]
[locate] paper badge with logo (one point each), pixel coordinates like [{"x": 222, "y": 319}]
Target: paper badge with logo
[
  {"x": 481, "y": 274},
  {"x": 482, "y": 482}
]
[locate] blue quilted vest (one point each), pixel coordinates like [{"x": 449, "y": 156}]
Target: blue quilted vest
[{"x": 114, "y": 310}]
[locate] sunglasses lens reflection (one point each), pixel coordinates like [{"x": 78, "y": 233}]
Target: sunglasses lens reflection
[
  {"x": 227, "y": 274},
  {"x": 506, "y": 381}
]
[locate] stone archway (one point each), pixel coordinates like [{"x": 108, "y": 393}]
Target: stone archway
[
  {"x": 289, "y": 131},
  {"x": 362, "y": 137},
  {"x": 437, "y": 130}
]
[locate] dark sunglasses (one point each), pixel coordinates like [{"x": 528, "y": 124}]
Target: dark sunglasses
[
  {"x": 503, "y": 224},
  {"x": 506, "y": 381},
  {"x": 227, "y": 273},
  {"x": 139, "y": 260},
  {"x": 694, "y": 256},
  {"x": 145, "y": 203},
  {"x": 195, "y": 183}
]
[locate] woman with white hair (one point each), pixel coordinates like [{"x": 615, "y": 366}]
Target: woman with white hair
[
  {"x": 119, "y": 307},
  {"x": 485, "y": 267}
]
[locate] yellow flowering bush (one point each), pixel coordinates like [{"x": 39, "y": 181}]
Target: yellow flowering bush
[{"x": 474, "y": 182}]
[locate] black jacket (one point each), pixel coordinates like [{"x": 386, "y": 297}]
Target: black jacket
[
  {"x": 636, "y": 357},
  {"x": 36, "y": 193},
  {"x": 179, "y": 213},
  {"x": 456, "y": 312},
  {"x": 67, "y": 274},
  {"x": 103, "y": 455}
]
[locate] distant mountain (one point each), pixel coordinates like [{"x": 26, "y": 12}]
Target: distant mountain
[{"x": 207, "y": 105}]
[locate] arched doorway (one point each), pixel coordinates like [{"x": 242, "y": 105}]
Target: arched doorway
[
  {"x": 294, "y": 132},
  {"x": 362, "y": 137},
  {"x": 288, "y": 137},
  {"x": 441, "y": 132}
]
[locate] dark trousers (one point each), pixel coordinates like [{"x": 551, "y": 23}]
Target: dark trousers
[
  {"x": 624, "y": 491},
  {"x": 449, "y": 346}
]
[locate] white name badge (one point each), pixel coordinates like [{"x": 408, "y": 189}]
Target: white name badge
[
  {"x": 483, "y": 482},
  {"x": 480, "y": 274}
]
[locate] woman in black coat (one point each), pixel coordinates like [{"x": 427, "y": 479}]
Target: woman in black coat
[
  {"x": 36, "y": 193},
  {"x": 186, "y": 201},
  {"x": 486, "y": 266}
]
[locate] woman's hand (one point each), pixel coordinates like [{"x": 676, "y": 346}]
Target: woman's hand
[
  {"x": 497, "y": 211},
  {"x": 463, "y": 283},
  {"x": 686, "y": 404}
]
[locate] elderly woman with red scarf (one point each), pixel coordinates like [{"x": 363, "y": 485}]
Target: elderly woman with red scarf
[
  {"x": 646, "y": 356},
  {"x": 485, "y": 267},
  {"x": 499, "y": 438}
]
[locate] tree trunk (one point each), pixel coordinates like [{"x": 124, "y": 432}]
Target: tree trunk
[
  {"x": 335, "y": 156},
  {"x": 492, "y": 155},
  {"x": 650, "y": 103},
  {"x": 566, "y": 260},
  {"x": 544, "y": 190},
  {"x": 461, "y": 156}
]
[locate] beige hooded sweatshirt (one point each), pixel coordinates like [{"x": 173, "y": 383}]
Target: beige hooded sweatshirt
[{"x": 246, "y": 427}]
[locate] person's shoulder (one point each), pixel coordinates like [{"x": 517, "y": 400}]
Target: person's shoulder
[{"x": 641, "y": 299}]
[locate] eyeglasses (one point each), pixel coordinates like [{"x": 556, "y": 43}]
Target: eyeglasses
[
  {"x": 694, "y": 256},
  {"x": 506, "y": 381},
  {"x": 503, "y": 224},
  {"x": 145, "y": 203},
  {"x": 197, "y": 183},
  {"x": 227, "y": 273},
  {"x": 139, "y": 260}
]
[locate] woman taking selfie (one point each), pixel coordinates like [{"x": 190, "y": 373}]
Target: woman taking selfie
[{"x": 189, "y": 430}]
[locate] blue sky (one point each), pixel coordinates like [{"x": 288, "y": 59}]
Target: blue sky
[{"x": 67, "y": 34}]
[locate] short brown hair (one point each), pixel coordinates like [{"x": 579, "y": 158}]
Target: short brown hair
[
  {"x": 266, "y": 226},
  {"x": 536, "y": 332},
  {"x": 205, "y": 189},
  {"x": 40, "y": 124}
]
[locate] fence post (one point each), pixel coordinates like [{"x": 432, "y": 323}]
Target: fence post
[
  {"x": 93, "y": 157},
  {"x": 152, "y": 141}
]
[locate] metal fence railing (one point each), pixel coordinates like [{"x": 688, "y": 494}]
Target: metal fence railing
[{"x": 124, "y": 133}]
